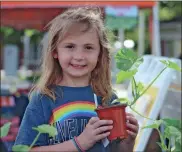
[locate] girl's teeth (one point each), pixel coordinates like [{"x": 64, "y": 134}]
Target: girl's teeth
[{"x": 78, "y": 66}]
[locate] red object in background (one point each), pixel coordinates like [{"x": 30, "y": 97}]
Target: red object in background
[
  {"x": 15, "y": 122},
  {"x": 32, "y": 18},
  {"x": 9, "y": 138},
  {"x": 118, "y": 115},
  {"x": 7, "y": 101},
  {"x": 36, "y": 14}
]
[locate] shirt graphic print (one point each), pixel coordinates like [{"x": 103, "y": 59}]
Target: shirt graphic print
[{"x": 70, "y": 119}]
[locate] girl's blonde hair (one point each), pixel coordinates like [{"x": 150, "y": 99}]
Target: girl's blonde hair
[{"x": 51, "y": 70}]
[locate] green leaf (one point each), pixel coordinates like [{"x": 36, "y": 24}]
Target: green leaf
[
  {"x": 19, "y": 148},
  {"x": 173, "y": 149},
  {"x": 124, "y": 75},
  {"x": 138, "y": 62},
  {"x": 126, "y": 59},
  {"x": 172, "y": 122},
  {"x": 140, "y": 87},
  {"x": 167, "y": 133},
  {"x": 30, "y": 32},
  {"x": 178, "y": 139},
  {"x": 134, "y": 88},
  {"x": 121, "y": 100},
  {"x": 171, "y": 65},
  {"x": 123, "y": 64},
  {"x": 52, "y": 131},
  {"x": 5, "y": 129},
  {"x": 173, "y": 131},
  {"x": 155, "y": 125},
  {"x": 177, "y": 147}
]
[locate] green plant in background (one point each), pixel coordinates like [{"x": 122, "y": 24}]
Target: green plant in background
[
  {"x": 52, "y": 131},
  {"x": 128, "y": 62},
  {"x": 5, "y": 129}
]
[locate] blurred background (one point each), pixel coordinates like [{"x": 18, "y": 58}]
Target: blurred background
[{"x": 152, "y": 29}]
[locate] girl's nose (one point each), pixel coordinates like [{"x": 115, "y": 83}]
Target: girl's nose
[{"x": 79, "y": 55}]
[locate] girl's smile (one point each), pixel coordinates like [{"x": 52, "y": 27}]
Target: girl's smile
[{"x": 77, "y": 66}]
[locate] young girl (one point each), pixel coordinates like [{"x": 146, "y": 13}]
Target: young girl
[{"x": 76, "y": 65}]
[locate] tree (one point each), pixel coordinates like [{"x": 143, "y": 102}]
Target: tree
[{"x": 170, "y": 9}]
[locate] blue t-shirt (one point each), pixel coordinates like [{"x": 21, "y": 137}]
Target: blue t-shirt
[{"x": 70, "y": 113}]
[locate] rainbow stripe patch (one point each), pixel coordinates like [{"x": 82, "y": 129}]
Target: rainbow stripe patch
[{"x": 73, "y": 109}]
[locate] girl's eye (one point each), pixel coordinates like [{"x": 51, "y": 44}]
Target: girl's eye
[
  {"x": 70, "y": 46},
  {"x": 89, "y": 48}
]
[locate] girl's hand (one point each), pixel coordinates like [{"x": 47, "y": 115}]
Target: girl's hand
[
  {"x": 127, "y": 145},
  {"x": 94, "y": 131},
  {"x": 132, "y": 125}
]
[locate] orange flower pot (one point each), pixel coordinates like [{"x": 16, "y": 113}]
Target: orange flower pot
[{"x": 118, "y": 115}]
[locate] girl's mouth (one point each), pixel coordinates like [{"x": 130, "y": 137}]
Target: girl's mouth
[{"x": 77, "y": 66}]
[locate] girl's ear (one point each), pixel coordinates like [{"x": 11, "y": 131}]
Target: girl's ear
[{"x": 55, "y": 54}]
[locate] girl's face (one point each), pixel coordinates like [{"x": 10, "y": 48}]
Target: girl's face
[{"x": 78, "y": 52}]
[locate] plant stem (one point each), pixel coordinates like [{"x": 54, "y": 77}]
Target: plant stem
[
  {"x": 162, "y": 140},
  {"x": 153, "y": 81},
  {"x": 148, "y": 86},
  {"x": 36, "y": 138},
  {"x": 140, "y": 114},
  {"x": 134, "y": 88}
]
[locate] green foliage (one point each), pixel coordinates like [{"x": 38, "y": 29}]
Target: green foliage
[
  {"x": 121, "y": 100},
  {"x": 171, "y": 65},
  {"x": 124, "y": 75},
  {"x": 30, "y": 32},
  {"x": 46, "y": 129},
  {"x": 172, "y": 122},
  {"x": 172, "y": 129},
  {"x": 169, "y": 9},
  {"x": 140, "y": 87},
  {"x": 19, "y": 148},
  {"x": 155, "y": 125},
  {"x": 126, "y": 60},
  {"x": 11, "y": 36},
  {"x": 5, "y": 129},
  {"x": 128, "y": 63},
  {"x": 41, "y": 130}
]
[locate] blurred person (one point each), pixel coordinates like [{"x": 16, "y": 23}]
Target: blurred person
[{"x": 76, "y": 64}]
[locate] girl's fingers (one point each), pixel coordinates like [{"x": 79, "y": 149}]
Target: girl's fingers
[
  {"x": 102, "y": 136},
  {"x": 102, "y": 123},
  {"x": 129, "y": 114},
  {"x": 132, "y": 127},
  {"x": 93, "y": 120},
  {"x": 103, "y": 129},
  {"x": 132, "y": 134},
  {"x": 132, "y": 120}
]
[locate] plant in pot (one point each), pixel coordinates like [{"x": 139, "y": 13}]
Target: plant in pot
[{"x": 128, "y": 63}]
